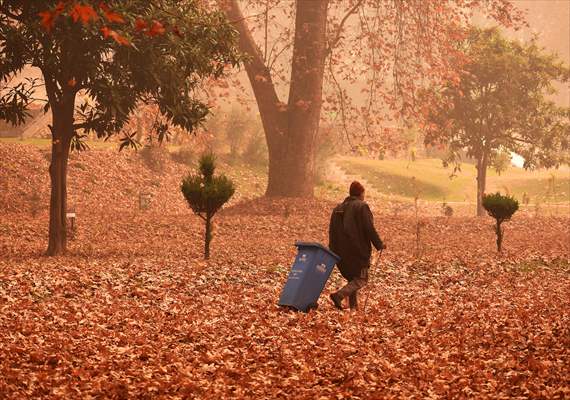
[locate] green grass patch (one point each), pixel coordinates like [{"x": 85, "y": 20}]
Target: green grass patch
[
  {"x": 402, "y": 178},
  {"x": 541, "y": 189},
  {"x": 394, "y": 178}
]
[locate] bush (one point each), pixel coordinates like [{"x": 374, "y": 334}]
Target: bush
[
  {"x": 501, "y": 208},
  {"x": 206, "y": 194}
]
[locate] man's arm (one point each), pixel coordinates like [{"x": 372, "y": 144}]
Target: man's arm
[
  {"x": 331, "y": 230},
  {"x": 371, "y": 232}
]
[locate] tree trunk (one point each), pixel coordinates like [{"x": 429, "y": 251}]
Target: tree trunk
[
  {"x": 62, "y": 132},
  {"x": 499, "y": 232},
  {"x": 290, "y": 129},
  {"x": 482, "y": 164},
  {"x": 208, "y": 236}
]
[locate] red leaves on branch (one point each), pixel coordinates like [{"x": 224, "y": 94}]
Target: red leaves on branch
[
  {"x": 48, "y": 20},
  {"x": 110, "y": 15},
  {"x": 83, "y": 13},
  {"x": 140, "y": 25},
  {"x": 86, "y": 14},
  {"x": 48, "y": 17},
  {"x": 108, "y": 32},
  {"x": 156, "y": 29}
]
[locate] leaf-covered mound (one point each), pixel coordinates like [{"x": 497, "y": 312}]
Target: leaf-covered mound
[{"x": 103, "y": 180}]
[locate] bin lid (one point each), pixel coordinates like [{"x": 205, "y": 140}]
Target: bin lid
[{"x": 320, "y": 246}]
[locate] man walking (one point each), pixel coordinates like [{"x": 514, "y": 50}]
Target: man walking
[{"x": 351, "y": 233}]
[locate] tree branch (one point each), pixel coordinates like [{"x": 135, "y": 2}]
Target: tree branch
[
  {"x": 258, "y": 73},
  {"x": 336, "y": 39},
  {"x": 342, "y": 111}
]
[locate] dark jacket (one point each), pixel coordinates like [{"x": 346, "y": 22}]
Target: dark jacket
[{"x": 351, "y": 233}]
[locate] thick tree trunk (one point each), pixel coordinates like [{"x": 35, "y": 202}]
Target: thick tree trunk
[
  {"x": 293, "y": 173},
  {"x": 482, "y": 164},
  {"x": 291, "y": 129},
  {"x": 62, "y": 132}
]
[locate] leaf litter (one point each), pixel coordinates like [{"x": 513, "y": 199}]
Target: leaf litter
[{"x": 134, "y": 312}]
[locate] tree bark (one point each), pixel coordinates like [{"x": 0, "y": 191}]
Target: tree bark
[
  {"x": 62, "y": 132},
  {"x": 290, "y": 129},
  {"x": 482, "y": 164},
  {"x": 208, "y": 238},
  {"x": 57, "y": 244},
  {"x": 499, "y": 232}
]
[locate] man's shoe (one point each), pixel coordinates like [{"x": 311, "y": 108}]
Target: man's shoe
[{"x": 337, "y": 300}]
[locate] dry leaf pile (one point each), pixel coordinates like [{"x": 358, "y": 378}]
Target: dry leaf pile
[{"x": 133, "y": 311}]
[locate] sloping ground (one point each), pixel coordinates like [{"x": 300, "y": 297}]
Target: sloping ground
[
  {"x": 133, "y": 312},
  {"x": 102, "y": 180},
  {"x": 431, "y": 181}
]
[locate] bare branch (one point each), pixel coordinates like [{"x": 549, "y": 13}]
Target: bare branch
[
  {"x": 337, "y": 37},
  {"x": 342, "y": 104}
]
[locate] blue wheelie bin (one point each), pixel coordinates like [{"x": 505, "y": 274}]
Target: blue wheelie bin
[{"x": 309, "y": 273}]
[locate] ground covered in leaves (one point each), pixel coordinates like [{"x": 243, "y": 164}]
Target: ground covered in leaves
[{"x": 133, "y": 311}]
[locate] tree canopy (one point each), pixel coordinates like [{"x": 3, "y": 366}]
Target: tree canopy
[
  {"x": 501, "y": 104},
  {"x": 117, "y": 70},
  {"x": 362, "y": 62}
]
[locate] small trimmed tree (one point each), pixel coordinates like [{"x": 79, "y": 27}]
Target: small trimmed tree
[
  {"x": 206, "y": 194},
  {"x": 501, "y": 208}
]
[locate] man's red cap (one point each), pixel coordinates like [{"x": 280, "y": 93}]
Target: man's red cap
[{"x": 356, "y": 189}]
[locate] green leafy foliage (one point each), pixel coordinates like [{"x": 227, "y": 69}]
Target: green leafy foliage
[
  {"x": 501, "y": 104},
  {"x": 206, "y": 193},
  {"x": 155, "y": 69},
  {"x": 207, "y": 166},
  {"x": 501, "y": 162},
  {"x": 15, "y": 100},
  {"x": 207, "y": 197},
  {"x": 499, "y": 206},
  {"x": 502, "y": 209}
]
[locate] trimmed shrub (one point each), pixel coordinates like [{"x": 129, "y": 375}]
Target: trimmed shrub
[
  {"x": 206, "y": 194},
  {"x": 501, "y": 208}
]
